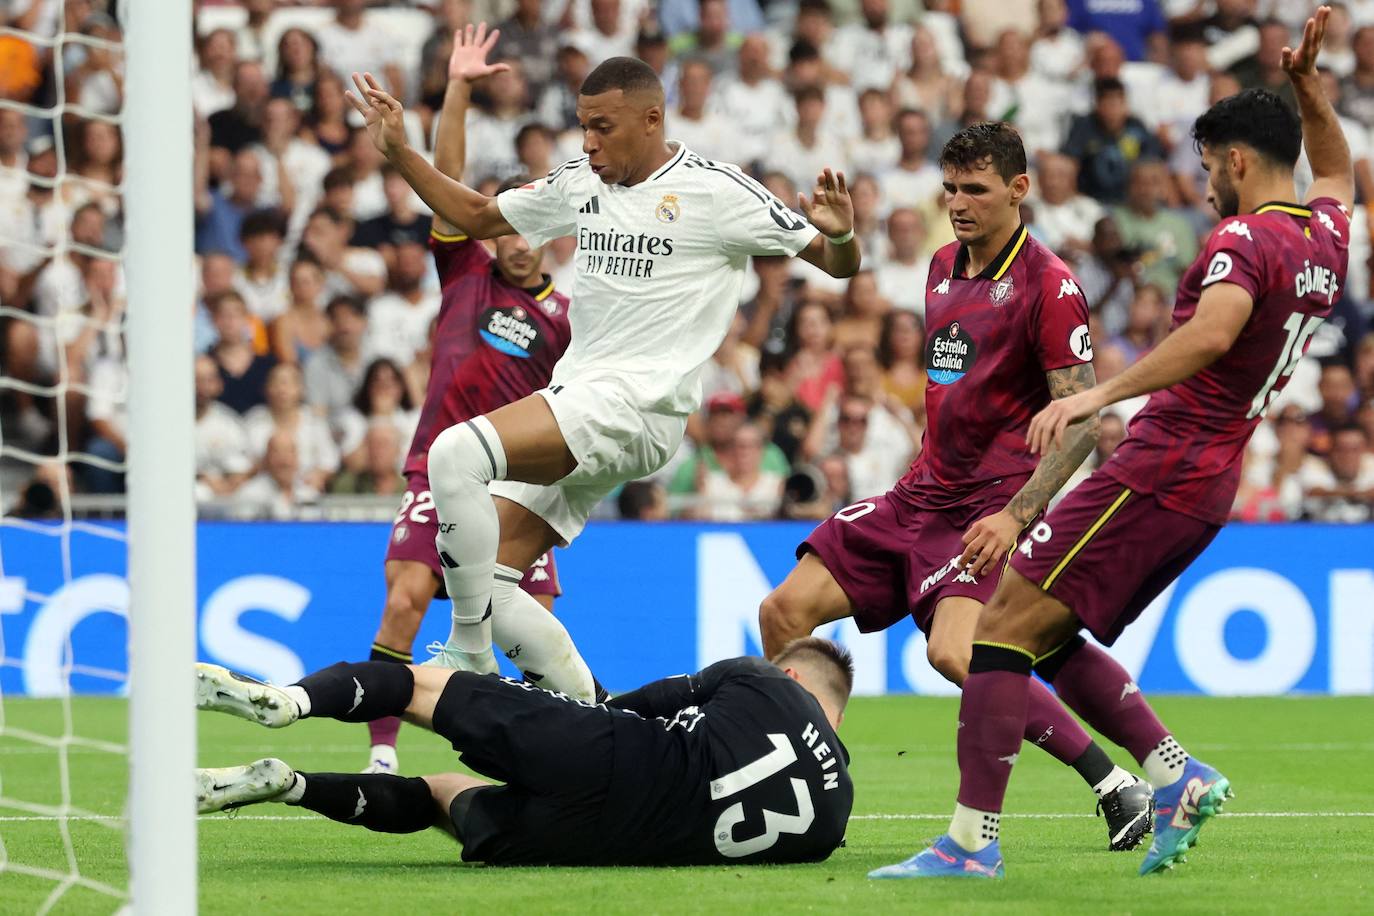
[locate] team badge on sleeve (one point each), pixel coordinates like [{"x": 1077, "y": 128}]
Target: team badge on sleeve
[
  {"x": 1219, "y": 269},
  {"x": 668, "y": 209},
  {"x": 1081, "y": 343}
]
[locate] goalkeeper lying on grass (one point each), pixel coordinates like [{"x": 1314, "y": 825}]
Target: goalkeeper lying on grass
[{"x": 738, "y": 763}]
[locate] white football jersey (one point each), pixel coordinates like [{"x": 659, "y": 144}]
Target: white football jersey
[{"x": 659, "y": 265}]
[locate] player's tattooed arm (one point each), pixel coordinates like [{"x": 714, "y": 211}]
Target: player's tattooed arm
[{"x": 989, "y": 538}]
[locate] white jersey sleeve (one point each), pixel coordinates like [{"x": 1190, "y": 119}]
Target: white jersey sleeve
[
  {"x": 752, "y": 221},
  {"x": 541, "y": 210}
]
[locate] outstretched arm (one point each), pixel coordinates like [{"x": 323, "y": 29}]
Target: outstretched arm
[
  {"x": 989, "y": 538},
  {"x": 832, "y": 212},
  {"x": 1221, "y": 315},
  {"x": 467, "y": 64},
  {"x": 1327, "y": 150},
  {"x": 471, "y": 212}
]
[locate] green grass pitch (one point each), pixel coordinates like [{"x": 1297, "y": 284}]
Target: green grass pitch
[{"x": 1299, "y": 837}]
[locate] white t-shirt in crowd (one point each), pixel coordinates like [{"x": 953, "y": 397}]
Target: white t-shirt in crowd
[{"x": 659, "y": 265}]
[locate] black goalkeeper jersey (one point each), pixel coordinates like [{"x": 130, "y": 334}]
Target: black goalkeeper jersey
[{"x": 736, "y": 763}]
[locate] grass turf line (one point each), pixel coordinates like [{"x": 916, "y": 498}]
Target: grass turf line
[{"x": 1282, "y": 755}]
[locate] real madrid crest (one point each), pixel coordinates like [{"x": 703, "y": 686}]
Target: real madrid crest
[
  {"x": 668, "y": 209},
  {"x": 1002, "y": 290}
]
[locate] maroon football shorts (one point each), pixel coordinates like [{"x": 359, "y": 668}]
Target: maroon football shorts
[
  {"x": 893, "y": 559},
  {"x": 412, "y": 539},
  {"x": 1107, "y": 551}
]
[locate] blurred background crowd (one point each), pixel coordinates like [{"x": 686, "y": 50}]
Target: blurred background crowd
[{"x": 317, "y": 292}]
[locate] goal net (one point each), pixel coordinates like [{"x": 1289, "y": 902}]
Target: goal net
[{"x": 93, "y": 277}]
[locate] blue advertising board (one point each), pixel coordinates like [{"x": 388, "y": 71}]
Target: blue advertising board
[{"x": 1266, "y": 610}]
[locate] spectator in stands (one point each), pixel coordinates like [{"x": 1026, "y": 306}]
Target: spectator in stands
[
  {"x": 334, "y": 373},
  {"x": 714, "y": 41},
  {"x": 284, "y": 411},
  {"x": 868, "y": 224},
  {"x": 108, "y": 416},
  {"x": 379, "y": 460},
  {"x": 643, "y": 501},
  {"x": 347, "y": 270},
  {"x": 1184, "y": 90},
  {"x": 1363, "y": 371},
  {"x": 222, "y": 460},
  {"x": 95, "y": 169},
  {"x": 220, "y": 214},
  {"x": 1112, "y": 434},
  {"x": 1357, "y": 89},
  {"x": 868, "y": 470},
  {"x": 357, "y": 43},
  {"x": 925, "y": 85},
  {"x": 775, "y": 408},
  {"x": 382, "y": 399},
  {"x": 806, "y": 67},
  {"x": 1107, "y": 142},
  {"x": 1274, "y": 488},
  {"x": 364, "y": 165},
  {"x": 875, "y": 148},
  {"x": 1340, "y": 489},
  {"x": 500, "y": 107},
  {"x": 242, "y": 368},
  {"x": 401, "y": 222},
  {"x": 873, "y": 50},
  {"x": 742, "y": 487},
  {"x": 398, "y": 320},
  {"x": 805, "y": 150},
  {"x": 914, "y": 181},
  {"x": 608, "y": 34},
  {"x": 301, "y": 329},
  {"x": 535, "y": 148},
  {"x": 902, "y": 274},
  {"x": 1339, "y": 399},
  {"x": 239, "y": 126},
  {"x": 292, "y": 168},
  {"x": 734, "y": 367},
  {"x": 45, "y": 494},
  {"x": 557, "y": 105},
  {"x": 1263, "y": 69},
  {"x": 278, "y": 491},
  {"x": 96, "y": 83},
  {"x": 691, "y": 123},
  {"x": 1138, "y": 27},
  {"x": 526, "y": 37},
  {"x": 724, "y": 413},
  {"x": 984, "y": 20},
  {"x": 1164, "y": 237},
  {"x": 327, "y": 127},
  {"x": 1057, "y": 51},
  {"x": 861, "y": 321},
  {"x": 1146, "y": 323},
  {"x": 212, "y": 88},
  {"x": 1037, "y": 105},
  {"x": 813, "y": 367},
  {"x": 1064, "y": 218},
  {"x": 901, "y": 354},
  {"x": 251, "y": 36},
  {"x": 752, "y": 98},
  {"x": 298, "y": 67},
  {"x": 262, "y": 279},
  {"x": 1109, "y": 274}
]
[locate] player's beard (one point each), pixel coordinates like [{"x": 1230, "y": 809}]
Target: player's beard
[{"x": 1227, "y": 201}]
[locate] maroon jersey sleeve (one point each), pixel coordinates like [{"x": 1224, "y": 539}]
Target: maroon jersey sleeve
[
  {"x": 1233, "y": 257},
  {"x": 455, "y": 255},
  {"x": 1334, "y": 218},
  {"x": 1061, "y": 320}
]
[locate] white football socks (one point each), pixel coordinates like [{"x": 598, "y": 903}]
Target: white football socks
[
  {"x": 972, "y": 829},
  {"x": 1114, "y": 780},
  {"x": 1164, "y": 765},
  {"x": 295, "y": 793},
  {"x": 302, "y": 699},
  {"x": 462, "y": 461},
  {"x": 535, "y": 640}
]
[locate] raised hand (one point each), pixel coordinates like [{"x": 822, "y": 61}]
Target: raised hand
[
  {"x": 383, "y": 115},
  {"x": 471, "y": 45},
  {"x": 830, "y": 208},
  {"x": 1303, "y": 60}
]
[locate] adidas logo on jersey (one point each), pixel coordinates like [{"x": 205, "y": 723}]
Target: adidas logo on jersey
[{"x": 592, "y": 206}]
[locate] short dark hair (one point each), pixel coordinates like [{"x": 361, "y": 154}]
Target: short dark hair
[
  {"x": 830, "y": 658},
  {"x": 262, "y": 222},
  {"x": 816, "y": 6},
  {"x": 1259, "y": 119},
  {"x": 353, "y": 304},
  {"x": 802, "y": 51},
  {"x": 1105, "y": 85},
  {"x": 636, "y": 497},
  {"x": 808, "y": 94},
  {"x": 628, "y": 74},
  {"x": 338, "y": 177},
  {"x": 995, "y": 143}
]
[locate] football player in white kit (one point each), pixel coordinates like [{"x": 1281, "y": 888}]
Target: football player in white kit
[{"x": 664, "y": 237}]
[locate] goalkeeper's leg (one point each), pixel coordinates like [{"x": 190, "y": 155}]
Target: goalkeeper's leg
[{"x": 410, "y": 589}]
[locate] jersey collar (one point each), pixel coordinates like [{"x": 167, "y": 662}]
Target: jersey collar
[
  {"x": 539, "y": 291},
  {"x": 1280, "y": 206},
  {"x": 999, "y": 265},
  {"x": 672, "y": 161}
]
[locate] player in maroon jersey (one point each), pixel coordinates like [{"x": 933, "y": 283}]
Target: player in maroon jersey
[
  {"x": 1007, "y": 332},
  {"x": 501, "y": 327},
  {"x": 1245, "y": 312}
]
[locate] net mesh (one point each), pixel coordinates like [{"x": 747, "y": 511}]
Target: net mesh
[{"x": 62, "y": 832}]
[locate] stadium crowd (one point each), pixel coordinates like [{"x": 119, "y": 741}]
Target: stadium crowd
[{"x": 317, "y": 292}]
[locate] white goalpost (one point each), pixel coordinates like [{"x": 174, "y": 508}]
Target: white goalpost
[{"x": 158, "y": 137}]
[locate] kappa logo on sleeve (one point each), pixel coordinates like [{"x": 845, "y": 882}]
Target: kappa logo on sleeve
[
  {"x": 1238, "y": 228},
  {"x": 1068, "y": 287}
]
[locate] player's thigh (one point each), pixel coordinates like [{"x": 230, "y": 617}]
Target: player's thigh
[
  {"x": 1022, "y": 615},
  {"x": 445, "y": 788},
  {"x": 950, "y": 641},
  {"x": 525, "y": 537},
  {"x": 536, "y": 451},
  {"x": 806, "y": 599}
]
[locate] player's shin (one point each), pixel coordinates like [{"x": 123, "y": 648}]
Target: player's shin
[
  {"x": 382, "y": 732},
  {"x": 535, "y": 640},
  {"x": 380, "y": 802},
  {"x": 462, "y": 461},
  {"x": 1094, "y": 685},
  {"x": 355, "y": 691},
  {"x": 992, "y": 721},
  {"x": 1051, "y": 727}
]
